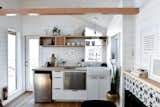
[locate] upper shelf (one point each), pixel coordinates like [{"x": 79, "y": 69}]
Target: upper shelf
[
  {"x": 77, "y": 37},
  {"x": 66, "y": 41}
]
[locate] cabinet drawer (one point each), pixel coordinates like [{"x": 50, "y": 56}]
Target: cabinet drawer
[
  {"x": 57, "y": 74},
  {"x": 69, "y": 95}
]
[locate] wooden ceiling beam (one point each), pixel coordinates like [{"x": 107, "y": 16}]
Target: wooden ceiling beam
[{"x": 72, "y": 11}]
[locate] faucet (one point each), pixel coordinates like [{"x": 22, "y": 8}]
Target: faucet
[{"x": 61, "y": 62}]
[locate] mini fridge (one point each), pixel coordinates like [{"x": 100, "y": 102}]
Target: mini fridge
[{"x": 42, "y": 86}]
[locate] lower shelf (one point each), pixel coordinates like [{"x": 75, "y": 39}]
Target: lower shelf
[{"x": 59, "y": 46}]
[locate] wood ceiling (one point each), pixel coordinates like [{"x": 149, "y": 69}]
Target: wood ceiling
[{"x": 71, "y": 11}]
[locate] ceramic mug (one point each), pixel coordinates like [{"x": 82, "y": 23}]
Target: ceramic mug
[
  {"x": 73, "y": 43},
  {"x": 68, "y": 43}
]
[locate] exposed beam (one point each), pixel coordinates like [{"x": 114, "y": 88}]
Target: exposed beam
[{"x": 72, "y": 11}]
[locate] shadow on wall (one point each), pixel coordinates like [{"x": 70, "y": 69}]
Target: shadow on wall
[{"x": 1, "y": 103}]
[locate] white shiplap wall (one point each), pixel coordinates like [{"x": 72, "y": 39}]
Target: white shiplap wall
[
  {"x": 5, "y": 23},
  {"x": 147, "y": 31},
  {"x": 68, "y": 24},
  {"x": 3, "y": 61},
  {"x": 69, "y": 3}
]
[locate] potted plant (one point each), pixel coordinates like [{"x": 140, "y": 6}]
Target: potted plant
[
  {"x": 113, "y": 94},
  {"x": 56, "y": 31}
]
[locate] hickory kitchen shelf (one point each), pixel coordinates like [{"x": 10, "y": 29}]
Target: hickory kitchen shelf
[
  {"x": 61, "y": 46},
  {"x": 59, "y": 41},
  {"x": 62, "y": 41}
]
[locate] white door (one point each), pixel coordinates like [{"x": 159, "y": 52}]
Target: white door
[{"x": 32, "y": 59}]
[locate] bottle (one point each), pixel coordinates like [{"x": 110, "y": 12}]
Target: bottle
[{"x": 53, "y": 60}]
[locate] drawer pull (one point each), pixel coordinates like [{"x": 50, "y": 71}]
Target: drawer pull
[
  {"x": 57, "y": 88},
  {"x": 57, "y": 77},
  {"x": 74, "y": 90}
]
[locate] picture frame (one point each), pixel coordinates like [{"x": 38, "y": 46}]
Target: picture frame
[{"x": 155, "y": 68}]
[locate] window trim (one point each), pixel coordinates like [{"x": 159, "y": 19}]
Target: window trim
[{"x": 13, "y": 32}]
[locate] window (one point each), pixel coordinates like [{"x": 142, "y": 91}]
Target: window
[
  {"x": 94, "y": 49},
  {"x": 94, "y": 53},
  {"x": 91, "y": 32},
  {"x": 12, "y": 74},
  {"x": 115, "y": 48}
]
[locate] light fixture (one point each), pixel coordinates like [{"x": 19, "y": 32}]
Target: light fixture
[
  {"x": 11, "y": 14},
  {"x": 33, "y": 14}
]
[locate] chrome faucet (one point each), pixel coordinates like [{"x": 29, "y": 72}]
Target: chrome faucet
[{"x": 61, "y": 62}]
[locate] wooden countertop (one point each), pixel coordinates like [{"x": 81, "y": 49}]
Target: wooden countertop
[
  {"x": 151, "y": 83},
  {"x": 59, "y": 69}
]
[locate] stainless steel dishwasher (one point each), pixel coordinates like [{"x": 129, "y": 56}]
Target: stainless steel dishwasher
[
  {"x": 75, "y": 80},
  {"x": 43, "y": 86}
]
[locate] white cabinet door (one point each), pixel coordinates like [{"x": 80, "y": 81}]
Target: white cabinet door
[
  {"x": 57, "y": 94},
  {"x": 102, "y": 89},
  {"x": 97, "y": 88},
  {"x": 98, "y": 83},
  {"x": 104, "y": 84},
  {"x": 92, "y": 87}
]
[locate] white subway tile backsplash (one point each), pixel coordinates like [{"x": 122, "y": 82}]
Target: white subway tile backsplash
[{"x": 70, "y": 54}]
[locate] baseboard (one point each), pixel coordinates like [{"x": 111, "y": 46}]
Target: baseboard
[{"x": 14, "y": 96}]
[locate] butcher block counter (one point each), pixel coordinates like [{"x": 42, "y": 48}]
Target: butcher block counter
[{"x": 60, "y": 69}]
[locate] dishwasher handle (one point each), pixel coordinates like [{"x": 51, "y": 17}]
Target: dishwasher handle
[{"x": 46, "y": 75}]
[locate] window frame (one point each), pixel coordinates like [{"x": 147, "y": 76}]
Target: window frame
[{"x": 13, "y": 33}]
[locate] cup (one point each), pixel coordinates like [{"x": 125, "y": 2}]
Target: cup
[{"x": 73, "y": 44}]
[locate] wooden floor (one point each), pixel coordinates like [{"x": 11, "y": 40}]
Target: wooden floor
[{"x": 27, "y": 100}]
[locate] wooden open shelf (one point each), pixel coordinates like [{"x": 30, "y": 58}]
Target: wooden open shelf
[
  {"x": 61, "y": 46},
  {"x": 60, "y": 41},
  {"x": 66, "y": 41},
  {"x": 75, "y": 37}
]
